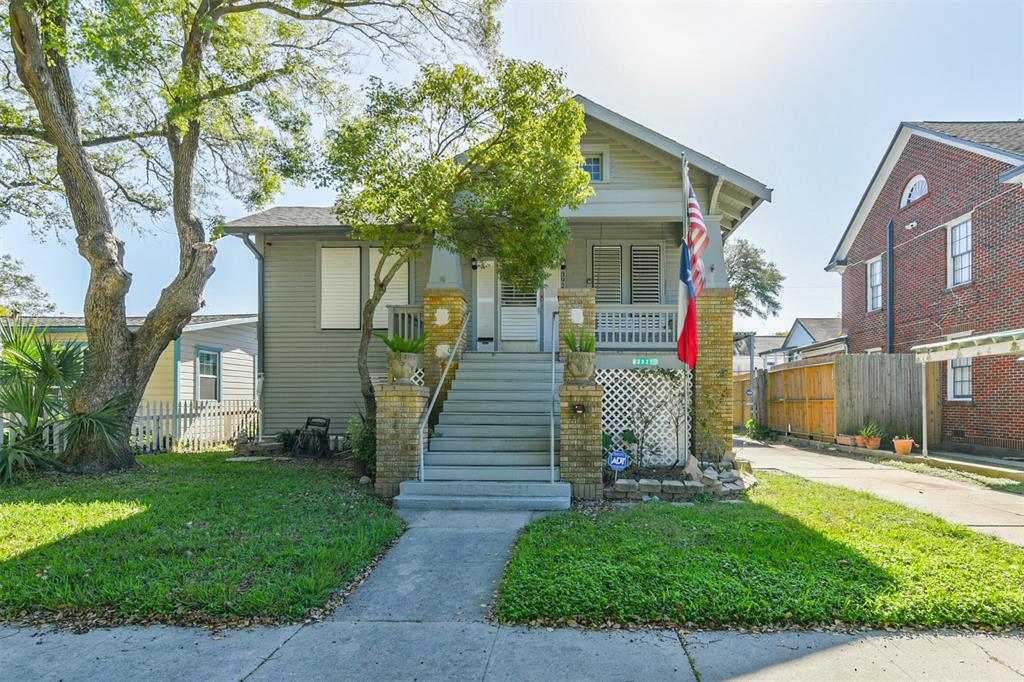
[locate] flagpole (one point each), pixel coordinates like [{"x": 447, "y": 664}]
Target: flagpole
[{"x": 693, "y": 373}]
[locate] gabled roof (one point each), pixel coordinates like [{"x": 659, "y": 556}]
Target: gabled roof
[
  {"x": 822, "y": 328},
  {"x": 323, "y": 219},
  {"x": 762, "y": 344},
  {"x": 1007, "y": 136},
  {"x": 1000, "y": 140},
  {"x": 197, "y": 322}
]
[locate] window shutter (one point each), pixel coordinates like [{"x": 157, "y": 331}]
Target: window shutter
[
  {"x": 340, "y": 275},
  {"x": 607, "y": 274},
  {"x": 397, "y": 292},
  {"x": 645, "y": 274},
  {"x": 518, "y": 314}
]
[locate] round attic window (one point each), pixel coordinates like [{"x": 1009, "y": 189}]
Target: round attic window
[{"x": 916, "y": 188}]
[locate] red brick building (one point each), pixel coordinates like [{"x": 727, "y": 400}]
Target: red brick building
[{"x": 953, "y": 193}]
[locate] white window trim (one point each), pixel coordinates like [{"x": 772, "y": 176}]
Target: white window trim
[
  {"x": 905, "y": 197},
  {"x": 949, "y": 250},
  {"x": 867, "y": 284},
  {"x": 606, "y": 164},
  {"x": 199, "y": 374},
  {"x": 871, "y": 351}
]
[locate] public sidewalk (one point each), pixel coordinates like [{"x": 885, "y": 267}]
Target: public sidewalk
[
  {"x": 986, "y": 511},
  {"x": 421, "y": 615}
]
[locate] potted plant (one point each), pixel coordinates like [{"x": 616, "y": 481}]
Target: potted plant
[
  {"x": 870, "y": 437},
  {"x": 903, "y": 444},
  {"x": 403, "y": 361},
  {"x": 580, "y": 361}
]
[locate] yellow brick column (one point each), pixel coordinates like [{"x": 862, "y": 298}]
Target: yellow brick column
[
  {"x": 714, "y": 364},
  {"x": 582, "y": 300},
  {"x": 400, "y": 409},
  {"x": 444, "y": 311},
  {"x": 581, "y": 455}
]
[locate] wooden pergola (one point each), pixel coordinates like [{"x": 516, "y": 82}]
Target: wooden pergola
[{"x": 982, "y": 345}]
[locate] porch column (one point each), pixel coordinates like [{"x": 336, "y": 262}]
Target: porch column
[
  {"x": 714, "y": 371},
  {"x": 577, "y": 312},
  {"x": 445, "y": 308},
  {"x": 399, "y": 411},
  {"x": 581, "y": 455}
]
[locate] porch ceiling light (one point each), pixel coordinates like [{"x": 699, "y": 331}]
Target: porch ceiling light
[{"x": 473, "y": 263}]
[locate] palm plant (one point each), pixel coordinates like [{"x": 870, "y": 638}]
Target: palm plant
[{"x": 36, "y": 374}]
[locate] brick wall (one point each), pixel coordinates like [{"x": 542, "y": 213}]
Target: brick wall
[
  {"x": 959, "y": 182},
  {"x": 581, "y": 457},
  {"x": 399, "y": 412},
  {"x": 585, "y": 300},
  {"x": 714, "y": 362},
  {"x": 444, "y": 311}
]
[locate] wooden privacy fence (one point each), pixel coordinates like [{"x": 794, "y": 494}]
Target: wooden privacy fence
[
  {"x": 822, "y": 398},
  {"x": 741, "y": 402},
  {"x": 185, "y": 426}
]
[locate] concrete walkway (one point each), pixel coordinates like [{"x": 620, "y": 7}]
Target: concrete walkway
[
  {"x": 420, "y": 616},
  {"x": 986, "y": 511}
]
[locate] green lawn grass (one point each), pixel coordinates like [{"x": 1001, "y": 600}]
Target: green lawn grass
[
  {"x": 798, "y": 552},
  {"x": 1006, "y": 485},
  {"x": 187, "y": 538}
]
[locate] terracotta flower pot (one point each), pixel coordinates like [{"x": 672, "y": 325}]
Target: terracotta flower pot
[
  {"x": 859, "y": 440},
  {"x": 903, "y": 446},
  {"x": 402, "y": 367},
  {"x": 873, "y": 442},
  {"x": 580, "y": 367}
]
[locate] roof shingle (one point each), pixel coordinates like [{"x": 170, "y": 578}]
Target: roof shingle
[{"x": 1007, "y": 136}]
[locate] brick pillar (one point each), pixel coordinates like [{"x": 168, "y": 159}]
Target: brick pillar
[
  {"x": 581, "y": 454},
  {"x": 399, "y": 411},
  {"x": 583, "y": 300},
  {"x": 714, "y": 364},
  {"x": 444, "y": 310}
]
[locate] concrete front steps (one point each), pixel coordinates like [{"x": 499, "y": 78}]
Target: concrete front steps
[
  {"x": 492, "y": 440},
  {"x": 483, "y": 495}
]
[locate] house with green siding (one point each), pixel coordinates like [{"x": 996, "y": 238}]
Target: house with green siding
[{"x": 496, "y": 422}]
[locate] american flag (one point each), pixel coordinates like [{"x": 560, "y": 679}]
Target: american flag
[
  {"x": 697, "y": 239},
  {"x": 691, "y": 279}
]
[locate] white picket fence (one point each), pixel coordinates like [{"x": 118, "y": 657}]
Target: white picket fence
[{"x": 185, "y": 426}]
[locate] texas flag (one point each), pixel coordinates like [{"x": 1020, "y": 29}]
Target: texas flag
[{"x": 691, "y": 280}]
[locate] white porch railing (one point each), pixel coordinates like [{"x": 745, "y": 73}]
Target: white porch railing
[
  {"x": 636, "y": 326},
  {"x": 405, "y": 321}
]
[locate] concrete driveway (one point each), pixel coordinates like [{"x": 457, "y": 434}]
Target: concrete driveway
[
  {"x": 986, "y": 511},
  {"x": 421, "y": 615}
]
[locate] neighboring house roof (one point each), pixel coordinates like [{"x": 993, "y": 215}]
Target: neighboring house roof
[
  {"x": 822, "y": 328},
  {"x": 322, "y": 218},
  {"x": 1000, "y": 140},
  {"x": 763, "y": 345},
  {"x": 197, "y": 321}
]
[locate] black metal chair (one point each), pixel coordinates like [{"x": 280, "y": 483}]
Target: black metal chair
[{"x": 312, "y": 440}]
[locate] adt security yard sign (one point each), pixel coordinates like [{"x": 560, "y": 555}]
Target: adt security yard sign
[{"x": 618, "y": 460}]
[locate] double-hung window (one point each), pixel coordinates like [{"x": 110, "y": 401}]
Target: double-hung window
[
  {"x": 208, "y": 375},
  {"x": 960, "y": 379},
  {"x": 959, "y": 253},
  {"x": 875, "y": 284}
]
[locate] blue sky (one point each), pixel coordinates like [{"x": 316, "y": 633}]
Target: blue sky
[{"x": 804, "y": 97}]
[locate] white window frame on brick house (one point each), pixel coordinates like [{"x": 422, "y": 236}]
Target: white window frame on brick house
[
  {"x": 913, "y": 191},
  {"x": 600, "y": 151},
  {"x": 959, "y": 365},
  {"x": 871, "y": 307},
  {"x": 959, "y": 251}
]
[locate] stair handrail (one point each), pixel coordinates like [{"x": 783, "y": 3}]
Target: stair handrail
[
  {"x": 437, "y": 392},
  {"x": 555, "y": 343}
]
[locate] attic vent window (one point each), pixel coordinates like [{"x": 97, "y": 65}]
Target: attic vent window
[{"x": 916, "y": 188}]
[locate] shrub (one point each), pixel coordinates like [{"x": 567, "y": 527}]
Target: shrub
[
  {"x": 361, "y": 437},
  {"x": 872, "y": 430},
  {"x": 759, "y": 431},
  {"x": 286, "y": 439}
]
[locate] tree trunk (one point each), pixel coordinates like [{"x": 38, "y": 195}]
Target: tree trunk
[{"x": 120, "y": 361}]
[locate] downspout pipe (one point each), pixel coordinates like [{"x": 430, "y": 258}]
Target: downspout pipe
[
  {"x": 890, "y": 288},
  {"x": 260, "y": 354}
]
